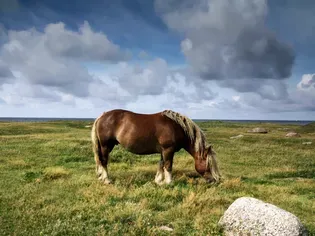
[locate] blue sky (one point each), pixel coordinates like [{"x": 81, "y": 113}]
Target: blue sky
[{"x": 215, "y": 59}]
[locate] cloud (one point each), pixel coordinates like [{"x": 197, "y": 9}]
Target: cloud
[
  {"x": 267, "y": 88},
  {"x": 148, "y": 80},
  {"x": 84, "y": 44},
  {"x": 5, "y": 73},
  {"x": 298, "y": 99},
  {"x": 228, "y": 40},
  {"x": 305, "y": 93},
  {"x": 307, "y": 83},
  {"x": 186, "y": 89},
  {"x": 53, "y": 58}
]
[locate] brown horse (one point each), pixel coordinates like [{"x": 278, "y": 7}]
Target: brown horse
[{"x": 165, "y": 132}]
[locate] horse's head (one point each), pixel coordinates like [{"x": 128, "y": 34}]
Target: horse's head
[{"x": 206, "y": 165}]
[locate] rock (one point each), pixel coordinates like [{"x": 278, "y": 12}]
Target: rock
[
  {"x": 237, "y": 136},
  {"x": 258, "y": 130},
  {"x": 293, "y": 134},
  {"x": 250, "y": 216},
  {"x": 166, "y": 228},
  {"x": 307, "y": 143}
]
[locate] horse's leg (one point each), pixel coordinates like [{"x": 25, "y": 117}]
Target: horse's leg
[
  {"x": 102, "y": 169},
  {"x": 159, "y": 174},
  {"x": 168, "y": 155}
]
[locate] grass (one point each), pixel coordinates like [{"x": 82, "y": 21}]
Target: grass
[{"x": 48, "y": 184}]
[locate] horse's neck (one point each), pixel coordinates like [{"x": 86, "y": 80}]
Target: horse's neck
[{"x": 192, "y": 151}]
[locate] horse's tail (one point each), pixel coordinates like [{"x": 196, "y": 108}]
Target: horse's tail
[
  {"x": 212, "y": 162},
  {"x": 96, "y": 147}
]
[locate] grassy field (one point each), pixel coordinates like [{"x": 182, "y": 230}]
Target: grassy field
[{"x": 48, "y": 184}]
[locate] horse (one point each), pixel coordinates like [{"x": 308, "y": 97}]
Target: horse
[{"x": 165, "y": 132}]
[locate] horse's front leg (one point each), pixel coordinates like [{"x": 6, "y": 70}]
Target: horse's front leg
[
  {"x": 159, "y": 174},
  {"x": 168, "y": 155}
]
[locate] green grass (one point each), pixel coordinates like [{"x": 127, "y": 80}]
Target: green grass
[{"x": 49, "y": 187}]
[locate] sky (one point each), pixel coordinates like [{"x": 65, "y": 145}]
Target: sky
[{"x": 207, "y": 59}]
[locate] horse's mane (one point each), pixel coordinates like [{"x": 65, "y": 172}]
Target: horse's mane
[{"x": 194, "y": 133}]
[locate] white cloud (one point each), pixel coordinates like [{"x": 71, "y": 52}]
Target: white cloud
[
  {"x": 307, "y": 83},
  {"x": 138, "y": 80},
  {"x": 236, "y": 98},
  {"x": 48, "y": 70},
  {"x": 84, "y": 44},
  {"x": 228, "y": 41},
  {"x": 52, "y": 58},
  {"x": 47, "y": 74}
]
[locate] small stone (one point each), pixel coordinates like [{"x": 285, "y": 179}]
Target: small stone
[
  {"x": 293, "y": 134},
  {"x": 258, "y": 130},
  {"x": 166, "y": 228},
  {"x": 237, "y": 136}
]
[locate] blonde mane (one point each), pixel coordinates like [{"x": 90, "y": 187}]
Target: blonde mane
[{"x": 194, "y": 133}]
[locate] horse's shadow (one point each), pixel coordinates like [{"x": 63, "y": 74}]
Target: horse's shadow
[{"x": 181, "y": 177}]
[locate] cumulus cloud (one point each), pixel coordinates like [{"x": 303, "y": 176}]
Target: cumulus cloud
[
  {"x": 133, "y": 86},
  {"x": 107, "y": 91},
  {"x": 48, "y": 68},
  {"x": 305, "y": 93},
  {"x": 298, "y": 99},
  {"x": 148, "y": 80},
  {"x": 52, "y": 58},
  {"x": 185, "y": 88},
  {"x": 267, "y": 88},
  {"x": 5, "y": 73},
  {"x": 228, "y": 40},
  {"x": 38, "y": 92},
  {"x": 307, "y": 83},
  {"x": 85, "y": 44}
]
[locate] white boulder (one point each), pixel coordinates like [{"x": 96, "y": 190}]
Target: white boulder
[{"x": 250, "y": 216}]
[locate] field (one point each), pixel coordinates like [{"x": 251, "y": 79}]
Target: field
[{"x": 49, "y": 187}]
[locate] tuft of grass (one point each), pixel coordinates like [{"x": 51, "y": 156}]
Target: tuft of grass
[{"x": 52, "y": 173}]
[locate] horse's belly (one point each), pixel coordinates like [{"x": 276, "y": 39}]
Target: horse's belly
[
  {"x": 141, "y": 148},
  {"x": 138, "y": 139}
]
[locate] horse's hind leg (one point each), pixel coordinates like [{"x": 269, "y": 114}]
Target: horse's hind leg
[
  {"x": 102, "y": 169},
  {"x": 159, "y": 174}
]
